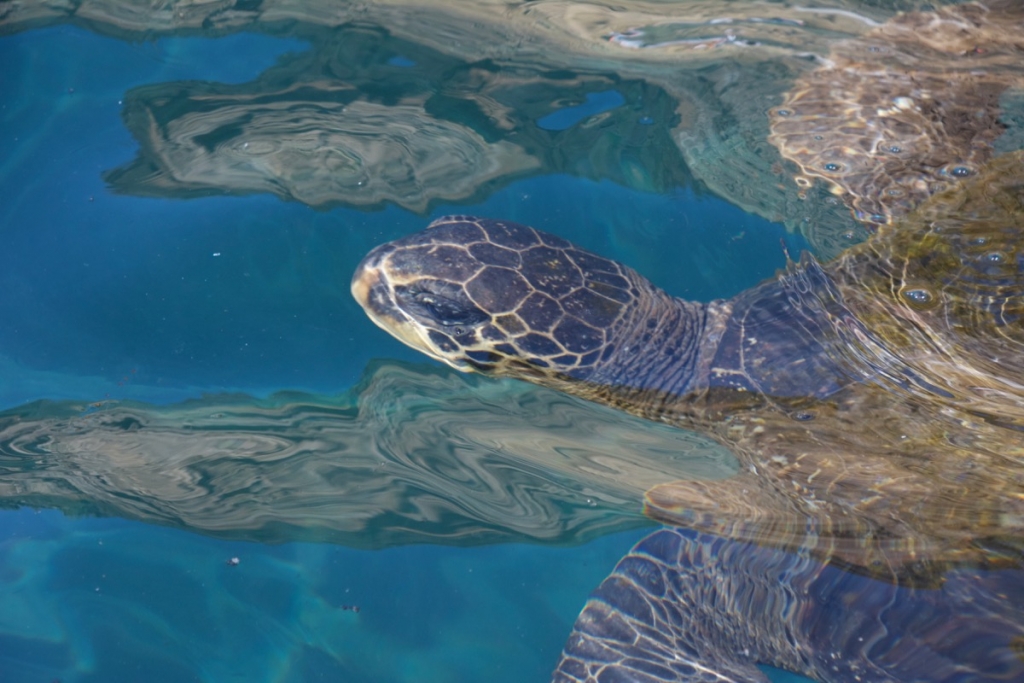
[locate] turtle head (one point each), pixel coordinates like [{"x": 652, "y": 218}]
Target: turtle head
[{"x": 497, "y": 297}]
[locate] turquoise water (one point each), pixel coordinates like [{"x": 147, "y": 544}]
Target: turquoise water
[
  {"x": 109, "y": 600},
  {"x": 129, "y": 287},
  {"x": 115, "y": 297},
  {"x": 250, "y": 293}
]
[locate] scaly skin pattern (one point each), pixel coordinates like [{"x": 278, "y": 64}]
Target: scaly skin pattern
[{"x": 691, "y": 608}]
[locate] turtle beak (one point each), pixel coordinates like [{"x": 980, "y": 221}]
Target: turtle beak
[{"x": 372, "y": 291}]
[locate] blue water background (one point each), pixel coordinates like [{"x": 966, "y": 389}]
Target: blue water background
[{"x": 115, "y": 296}]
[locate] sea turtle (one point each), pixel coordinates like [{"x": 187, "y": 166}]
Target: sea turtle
[{"x": 876, "y": 403}]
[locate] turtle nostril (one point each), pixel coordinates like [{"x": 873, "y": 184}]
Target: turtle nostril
[
  {"x": 367, "y": 274},
  {"x": 363, "y": 281}
]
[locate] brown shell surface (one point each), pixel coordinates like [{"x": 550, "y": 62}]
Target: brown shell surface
[
  {"x": 904, "y": 111},
  {"x": 925, "y": 459}
]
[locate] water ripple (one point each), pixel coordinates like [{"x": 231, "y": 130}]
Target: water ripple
[{"x": 412, "y": 454}]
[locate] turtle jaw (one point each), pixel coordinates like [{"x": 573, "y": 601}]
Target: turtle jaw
[{"x": 372, "y": 292}]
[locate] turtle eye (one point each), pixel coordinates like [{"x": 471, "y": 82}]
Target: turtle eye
[
  {"x": 447, "y": 309},
  {"x": 443, "y": 310}
]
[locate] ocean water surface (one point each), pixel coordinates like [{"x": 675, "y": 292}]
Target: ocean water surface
[
  {"x": 111, "y": 297},
  {"x": 213, "y": 466}
]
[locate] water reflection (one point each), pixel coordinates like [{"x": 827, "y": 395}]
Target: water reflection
[
  {"x": 410, "y": 104},
  {"x": 343, "y": 124},
  {"x": 494, "y": 71},
  {"x": 411, "y": 455},
  {"x": 348, "y": 124}
]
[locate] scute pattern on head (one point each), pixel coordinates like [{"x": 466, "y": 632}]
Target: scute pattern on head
[
  {"x": 551, "y": 271},
  {"x": 498, "y": 289},
  {"x": 447, "y": 262},
  {"x": 486, "y": 294}
]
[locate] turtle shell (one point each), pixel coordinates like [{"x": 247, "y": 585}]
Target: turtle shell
[
  {"x": 906, "y": 110},
  {"x": 923, "y": 456}
]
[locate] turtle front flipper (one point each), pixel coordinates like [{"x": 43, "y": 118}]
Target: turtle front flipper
[
  {"x": 744, "y": 508},
  {"x": 651, "y": 621},
  {"x": 687, "y": 607}
]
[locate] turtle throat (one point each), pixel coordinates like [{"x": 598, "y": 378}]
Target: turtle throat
[{"x": 662, "y": 353}]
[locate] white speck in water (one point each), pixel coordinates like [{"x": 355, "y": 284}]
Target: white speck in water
[{"x": 216, "y": 253}]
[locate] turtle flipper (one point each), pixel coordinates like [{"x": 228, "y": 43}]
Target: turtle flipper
[
  {"x": 648, "y": 623},
  {"x": 743, "y": 508},
  {"x": 688, "y": 607}
]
